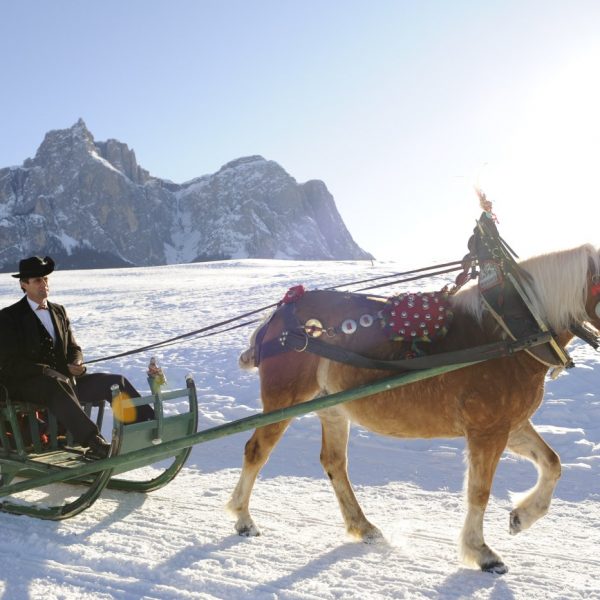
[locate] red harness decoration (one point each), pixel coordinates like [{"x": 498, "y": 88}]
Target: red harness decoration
[
  {"x": 419, "y": 317},
  {"x": 293, "y": 294}
]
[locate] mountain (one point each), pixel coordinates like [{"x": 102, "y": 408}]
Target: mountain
[{"x": 89, "y": 204}]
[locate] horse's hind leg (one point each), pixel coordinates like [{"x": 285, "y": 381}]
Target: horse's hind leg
[
  {"x": 257, "y": 451},
  {"x": 334, "y": 447},
  {"x": 484, "y": 453},
  {"x": 534, "y": 503}
]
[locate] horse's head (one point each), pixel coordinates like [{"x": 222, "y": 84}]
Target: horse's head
[
  {"x": 592, "y": 302},
  {"x": 590, "y": 335},
  {"x": 566, "y": 287}
]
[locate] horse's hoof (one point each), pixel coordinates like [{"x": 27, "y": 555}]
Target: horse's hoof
[
  {"x": 497, "y": 567},
  {"x": 373, "y": 536},
  {"x": 248, "y": 530},
  {"x": 515, "y": 525}
]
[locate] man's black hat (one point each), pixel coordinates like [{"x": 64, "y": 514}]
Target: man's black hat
[{"x": 35, "y": 266}]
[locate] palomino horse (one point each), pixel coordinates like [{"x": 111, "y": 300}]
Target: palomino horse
[{"x": 489, "y": 403}]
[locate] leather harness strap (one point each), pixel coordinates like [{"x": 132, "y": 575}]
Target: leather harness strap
[
  {"x": 301, "y": 342},
  {"x": 294, "y": 338},
  {"x": 586, "y": 334}
]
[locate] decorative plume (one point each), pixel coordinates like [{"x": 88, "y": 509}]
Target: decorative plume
[{"x": 486, "y": 204}]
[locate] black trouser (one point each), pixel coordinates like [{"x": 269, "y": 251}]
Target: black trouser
[{"x": 63, "y": 400}]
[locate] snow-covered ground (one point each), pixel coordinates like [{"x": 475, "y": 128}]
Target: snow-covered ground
[{"x": 179, "y": 542}]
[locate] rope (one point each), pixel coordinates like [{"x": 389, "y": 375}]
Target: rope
[{"x": 197, "y": 332}]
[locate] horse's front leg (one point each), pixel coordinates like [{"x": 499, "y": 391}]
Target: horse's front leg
[
  {"x": 336, "y": 428},
  {"x": 484, "y": 451},
  {"x": 534, "y": 503},
  {"x": 257, "y": 451}
]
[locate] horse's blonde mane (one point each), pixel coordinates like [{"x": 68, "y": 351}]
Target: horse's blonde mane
[{"x": 558, "y": 286}]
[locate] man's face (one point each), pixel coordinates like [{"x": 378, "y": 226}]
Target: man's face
[{"x": 36, "y": 288}]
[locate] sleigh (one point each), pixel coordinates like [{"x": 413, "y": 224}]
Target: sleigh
[{"x": 40, "y": 453}]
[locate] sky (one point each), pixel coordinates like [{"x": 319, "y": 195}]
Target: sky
[{"x": 400, "y": 107}]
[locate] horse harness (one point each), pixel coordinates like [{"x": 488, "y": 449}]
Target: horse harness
[
  {"x": 506, "y": 295},
  {"x": 503, "y": 293},
  {"x": 296, "y": 336}
]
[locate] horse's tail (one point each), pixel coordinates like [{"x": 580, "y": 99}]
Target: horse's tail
[
  {"x": 247, "y": 362},
  {"x": 249, "y": 358}
]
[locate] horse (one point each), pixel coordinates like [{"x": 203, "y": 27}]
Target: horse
[{"x": 490, "y": 403}]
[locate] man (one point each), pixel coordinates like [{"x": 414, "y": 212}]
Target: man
[{"x": 41, "y": 362}]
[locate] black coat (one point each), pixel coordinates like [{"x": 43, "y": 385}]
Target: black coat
[{"x": 21, "y": 348}]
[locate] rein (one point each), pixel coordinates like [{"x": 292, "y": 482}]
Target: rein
[
  {"x": 499, "y": 250},
  {"x": 440, "y": 270},
  {"x": 171, "y": 341},
  {"x": 168, "y": 342}
]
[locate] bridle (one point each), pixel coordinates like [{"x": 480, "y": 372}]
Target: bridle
[
  {"x": 582, "y": 330},
  {"x": 596, "y": 293}
]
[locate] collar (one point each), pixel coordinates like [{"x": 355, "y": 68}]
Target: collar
[{"x": 33, "y": 304}]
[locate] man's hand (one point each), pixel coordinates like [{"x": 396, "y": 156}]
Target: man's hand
[
  {"x": 55, "y": 374},
  {"x": 76, "y": 369}
]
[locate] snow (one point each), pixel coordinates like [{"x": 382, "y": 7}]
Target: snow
[
  {"x": 185, "y": 243},
  {"x": 178, "y": 542},
  {"x": 69, "y": 243},
  {"x": 94, "y": 154}
]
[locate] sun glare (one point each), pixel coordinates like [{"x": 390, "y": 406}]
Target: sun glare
[{"x": 547, "y": 176}]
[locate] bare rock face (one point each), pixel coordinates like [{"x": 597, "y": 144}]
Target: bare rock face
[
  {"x": 123, "y": 159},
  {"x": 89, "y": 204}
]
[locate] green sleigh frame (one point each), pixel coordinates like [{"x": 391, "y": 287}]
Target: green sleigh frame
[{"x": 23, "y": 456}]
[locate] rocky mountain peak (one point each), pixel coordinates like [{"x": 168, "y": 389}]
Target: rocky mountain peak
[
  {"x": 74, "y": 142},
  {"x": 250, "y": 171},
  {"x": 255, "y": 160},
  {"x": 63, "y": 148},
  {"x": 89, "y": 204}
]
